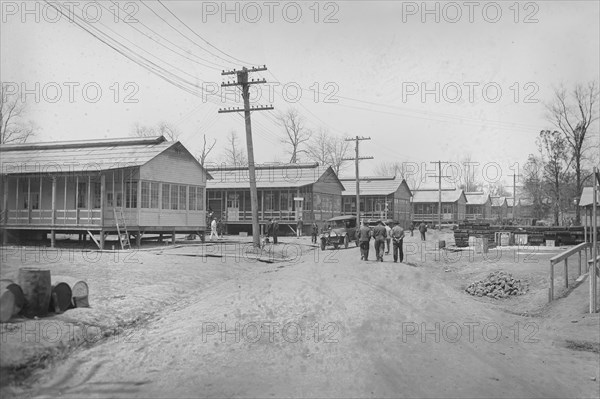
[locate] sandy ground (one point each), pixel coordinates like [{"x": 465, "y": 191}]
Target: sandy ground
[{"x": 320, "y": 324}]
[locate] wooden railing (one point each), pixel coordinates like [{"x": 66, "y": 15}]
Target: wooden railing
[
  {"x": 62, "y": 217},
  {"x": 563, "y": 257}
]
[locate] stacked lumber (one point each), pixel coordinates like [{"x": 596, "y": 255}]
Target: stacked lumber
[
  {"x": 479, "y": 230},
  {"x": 498, "y": 285},
  {"x": 37, "y": 293}
]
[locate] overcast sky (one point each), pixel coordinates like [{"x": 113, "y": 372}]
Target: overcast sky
[{"x": 488, "y": 68}]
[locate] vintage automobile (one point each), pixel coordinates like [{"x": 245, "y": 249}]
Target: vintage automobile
[{"x": 340, "y": 231}]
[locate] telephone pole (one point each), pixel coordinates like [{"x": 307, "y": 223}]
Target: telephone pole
[
  {"x": 242, "y": 80},
  {"x": 356, "y": 159},
  {"x": 439, "y": 175},
  {"x": 514, "y": 195}
]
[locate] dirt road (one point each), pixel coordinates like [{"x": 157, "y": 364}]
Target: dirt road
[{"x": 325, "y": 325}]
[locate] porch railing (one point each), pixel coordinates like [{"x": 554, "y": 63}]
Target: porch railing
[{"x": 43, "y": 217}]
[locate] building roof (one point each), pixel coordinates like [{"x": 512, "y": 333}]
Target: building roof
[
  {"x": 83, "y": 155},
  {"x": 587, "y": 197},
  {"x": 498, "y": 201},
  {"x": 375, "y": 185},
  {"x": 525, "y": 202},
  {"x": 433, "y": 195},
  {"x": 510, "y": 201},
  {"x": 479, "y": 198},
  {"x": 272, "y": 176}
]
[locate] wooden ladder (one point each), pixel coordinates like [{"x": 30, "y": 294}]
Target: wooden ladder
[{"x": 123, "y": 237}]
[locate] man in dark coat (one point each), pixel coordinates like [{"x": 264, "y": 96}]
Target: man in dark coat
[
  {"x": 314, "y": 232},
  {"x": 364, "y": 236},
  {"x": 423, "y": 230},
  {"x": 380, "y": 235},
  {"x": 275, "y": 231},
  {"x": 299, "y": 227}
]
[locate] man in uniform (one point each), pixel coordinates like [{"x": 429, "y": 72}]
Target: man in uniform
[
  {"x": 380, "y": 235},
  {"x": 364, "y": 236},
  {"x": 398, "y": 238}
]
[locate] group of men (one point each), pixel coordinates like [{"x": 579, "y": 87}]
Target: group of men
[
  {"x": 272, "y": 230},
  {"x": 381, "y": 234}
]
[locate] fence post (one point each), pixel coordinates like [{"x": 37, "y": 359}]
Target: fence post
[
  {"x": 566, "y": 274},
  {"x": 579, "y": 253},
  {"x": 551, "y": 290}
]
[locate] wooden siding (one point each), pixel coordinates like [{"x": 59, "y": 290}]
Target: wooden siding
[{"x": 174, "y": 165}]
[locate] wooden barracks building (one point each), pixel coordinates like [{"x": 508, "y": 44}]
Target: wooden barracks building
[
  {"x": 381, "y": 198},
  {"x": 147, "y": 185},
  {"x": 285, "y": 192}
]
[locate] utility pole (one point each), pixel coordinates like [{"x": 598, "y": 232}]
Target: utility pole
[
  {"x": 356, "y": 159},
  {"x": 514, "y": 195},
  {"x": 439, "y": 176},
  {"x": 242, "y": 80}
]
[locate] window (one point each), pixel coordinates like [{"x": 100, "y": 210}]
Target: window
[
  {"x": 182, "y": 197},
  {"x": 97, "y": 195},
  {"x": 145, "y": 194},
  {"x": 154, "y": 195},
  {"x": 109, "y": 199},
  {"x": 192, "y": 199},
  {"x": 174, "y": 196},
  {"x": 269, "y": 201},
  {"x": 166, "y": 204},
  {"x": 199, "y": 198},
  {"x": 233, "y": 200},
  {"x": 131, "y": 194},
  {"x": 82, "y": 195}
]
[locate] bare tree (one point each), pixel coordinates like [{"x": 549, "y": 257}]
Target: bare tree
[
  {"x": 408, "y": 171},
  {"x": 533, "y": 185},
  {"x": 296, "y": 133},
  {"x": 328, "y": 149},
  {"x": 573, "y": 114},
  {"x": 464, "y": 174},
  {"x": 234, "y": 152},
  {"x": 13, "y": 129},
  {"x": 554, "y": 151},
  {"x": 206, "y": 150},
  {"x": 170, "y": 132}
]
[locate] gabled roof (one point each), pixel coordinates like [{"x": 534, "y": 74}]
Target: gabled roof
[
  {"x": 478, "y": 198},
  {"x": 272, "y": 176},
  {"x": 498, "y": 201},
  {"x": 83, "y": 155},
  {"x": 587, "y": 197},
  {"x": 432, "y": 196},
  {"x": 376, "y": 185},
  {"x": 510, "y": 201}
]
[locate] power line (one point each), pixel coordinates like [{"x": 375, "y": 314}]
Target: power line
[
  {"x": 204, "y": 40},
  {"x": 216, "y": 67},
  {"x": 181, "y": 33}
]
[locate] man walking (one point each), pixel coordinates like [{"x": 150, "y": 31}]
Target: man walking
[
  {"x": 388, "y": 239},
  {"x": 380, "y": 235},
  {"x": 299, "y": 227},
  {"x": 398, "y": 237},
  {"x": 364, "y": 236},
  {"x": 423, "y": 230},
  {"x": 213, "y": 229},
  {"x": 275, "y": 230},
  {"x": 314, "y": 232}
]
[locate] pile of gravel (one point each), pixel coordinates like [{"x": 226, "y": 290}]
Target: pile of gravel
[{"x": 497, "y": 285}]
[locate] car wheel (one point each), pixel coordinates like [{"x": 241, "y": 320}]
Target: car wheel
[
  {"x": 336, "y": 246},
  {"x": 322, "y": 245},
  {"x": 346, "y": 241}
]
